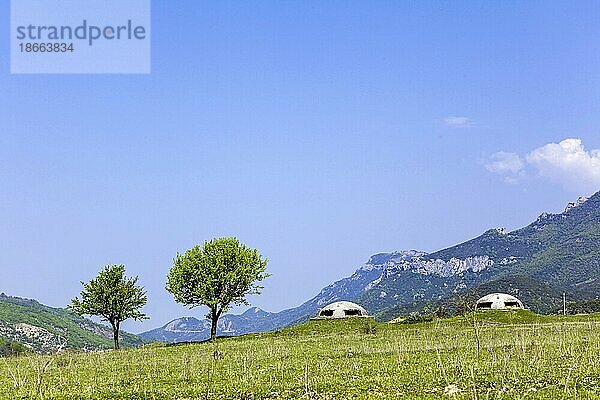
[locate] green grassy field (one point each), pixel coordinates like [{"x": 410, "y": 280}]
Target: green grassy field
[{"x": 520, "y": 356}]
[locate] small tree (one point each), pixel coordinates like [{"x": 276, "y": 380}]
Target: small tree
[
  {"x": 113, "y": 297},
  {"x": 218, "y": 274}
]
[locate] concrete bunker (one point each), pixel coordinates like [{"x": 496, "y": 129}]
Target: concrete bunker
[
  {"x": 342, "y": 309},
  {"x": 499, "y": 301}
]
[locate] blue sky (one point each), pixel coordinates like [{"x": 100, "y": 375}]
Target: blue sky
[{"x": 317, "y": 132}]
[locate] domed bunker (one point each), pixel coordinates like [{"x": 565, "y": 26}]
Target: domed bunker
[
  {"x": 342, "y": 309},
  {"x": 499, "y": 301}
]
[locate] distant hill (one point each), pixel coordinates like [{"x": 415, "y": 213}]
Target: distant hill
[
  {"x": 45, "y": 329},
  {"x": 190, "y": 329},
  {"x": 556, "y": 253}
]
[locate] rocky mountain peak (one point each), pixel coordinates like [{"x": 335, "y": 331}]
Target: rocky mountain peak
[
  {"x": 543, "y": 216},
  {"x": 255, "y": 312},
  {"x": 381, "y": 261},
  {"x": 439, "y": 267},
  {"x": 184, "y": 323},
  {"x": 576, "y": 203}
]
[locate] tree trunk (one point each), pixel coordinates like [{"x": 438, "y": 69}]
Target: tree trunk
[
  {"x": 213, "y": 326},
  {"x": 115, "y": 327}
]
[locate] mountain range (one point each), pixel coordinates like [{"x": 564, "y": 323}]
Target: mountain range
[{"x": 555, "y": 254}]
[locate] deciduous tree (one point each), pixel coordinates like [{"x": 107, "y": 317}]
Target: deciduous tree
[
  {"x": 113, "y": 297},
  {"x": 219, "y": 274}
]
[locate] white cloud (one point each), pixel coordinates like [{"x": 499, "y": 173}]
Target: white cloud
[
  {"x": 458, "y": 122},
  {"x": 510, "y": 165},
  {"x": 502, "y": 162},
  {"x": 569, "y": 164}
]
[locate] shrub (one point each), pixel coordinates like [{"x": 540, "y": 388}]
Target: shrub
[
  {"x": 415, "y": 318},
  {"x": 9, "y": 348}
]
